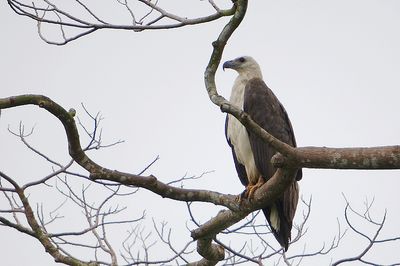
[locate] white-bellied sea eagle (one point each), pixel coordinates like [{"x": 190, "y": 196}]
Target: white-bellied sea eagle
[{"x": 251, "y": 155}]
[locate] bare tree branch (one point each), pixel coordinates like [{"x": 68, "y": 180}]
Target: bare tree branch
[
  {"x": 156, "y": 18},
  {"x": 372, "y": 241},
  {"x": 98, "y": 172}
]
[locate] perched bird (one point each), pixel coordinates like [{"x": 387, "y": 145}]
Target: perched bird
[{"x": 251, "y": 155}]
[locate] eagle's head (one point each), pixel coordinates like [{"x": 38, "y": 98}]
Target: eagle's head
[{"x": 244, "y": 65}]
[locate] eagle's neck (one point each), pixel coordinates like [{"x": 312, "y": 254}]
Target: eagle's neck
[
  {"x": 237, "y": 94},
  {"x": 250, "y": 72}
]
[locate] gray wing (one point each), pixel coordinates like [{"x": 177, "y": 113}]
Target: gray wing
[
  {"x": 240, "y": 169},
  {"x": 266, "y": 110}
]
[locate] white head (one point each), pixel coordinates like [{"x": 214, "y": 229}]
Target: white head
[{"x": 246, "y": 66}]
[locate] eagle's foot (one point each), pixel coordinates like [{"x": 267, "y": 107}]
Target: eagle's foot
[
  {"x": 251, "y": 189},
  {"x": 248, "y": 193}
]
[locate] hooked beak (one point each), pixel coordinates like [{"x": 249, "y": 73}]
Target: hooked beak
[{"x": 228, "y": 64}]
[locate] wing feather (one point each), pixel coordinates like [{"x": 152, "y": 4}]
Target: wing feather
[{"x": 266, "y": 110}]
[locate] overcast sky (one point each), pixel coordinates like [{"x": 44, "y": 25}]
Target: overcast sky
[{"x": 333, "y": 64}]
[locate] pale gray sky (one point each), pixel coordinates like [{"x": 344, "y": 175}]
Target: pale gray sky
[{"x": 333, "y": 64}]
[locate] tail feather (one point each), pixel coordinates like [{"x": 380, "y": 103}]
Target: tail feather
[
  {"x": 284, "y": 209},
  {"x": 283, "y": 232}
]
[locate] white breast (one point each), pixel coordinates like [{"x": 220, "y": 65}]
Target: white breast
[{"x": 237, "y": 134}]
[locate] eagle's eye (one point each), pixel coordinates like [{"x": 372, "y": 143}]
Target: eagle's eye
[{"x": 241, "y": 59}]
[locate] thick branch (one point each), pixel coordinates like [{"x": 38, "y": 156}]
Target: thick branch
[
  {"x": 385, "y": 157},
  {"x": 209, "y": 251}
]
